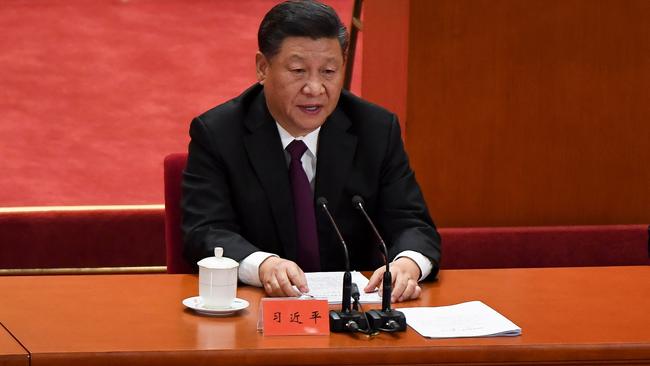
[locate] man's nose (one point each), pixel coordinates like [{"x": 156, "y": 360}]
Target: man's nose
[{"x": 314, "y": 86}]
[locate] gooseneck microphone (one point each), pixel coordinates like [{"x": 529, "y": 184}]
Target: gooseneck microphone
[
  {"x": 385, "y": 319},
  {"x": 347, "y": 319},
  {"x": 357, "y": 201}
]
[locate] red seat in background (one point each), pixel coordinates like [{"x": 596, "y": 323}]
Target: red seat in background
[
  {"x": 76, "y": 239},
  {"x": 173, "y": 166},
  {"x": 545, "y": 246},
  {"x": 467, "y": 248}
]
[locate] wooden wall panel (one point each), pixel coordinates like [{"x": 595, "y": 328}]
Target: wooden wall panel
[
  {"x": 530, "y": 112},
  {"x": 385, "y": 54}
]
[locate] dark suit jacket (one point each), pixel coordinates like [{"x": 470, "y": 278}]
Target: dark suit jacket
[{"x": 236, "y": 191}]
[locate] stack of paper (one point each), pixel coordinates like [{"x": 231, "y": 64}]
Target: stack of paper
[
  {"x": 468, "y": 319},
  {"x": 329, "y": 285}
]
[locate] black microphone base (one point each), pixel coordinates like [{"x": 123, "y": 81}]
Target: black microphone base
[
  {"x": 347, "y": 321},
  {"x": 391, "y": 320}
]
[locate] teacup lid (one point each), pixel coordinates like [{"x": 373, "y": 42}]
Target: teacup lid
[{"x": 218, "y": 261}]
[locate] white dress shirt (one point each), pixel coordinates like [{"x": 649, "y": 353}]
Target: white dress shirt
[{"x": 249, "y": 267}]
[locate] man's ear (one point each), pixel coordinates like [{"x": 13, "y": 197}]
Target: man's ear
[{"x": 261, "y": 67}]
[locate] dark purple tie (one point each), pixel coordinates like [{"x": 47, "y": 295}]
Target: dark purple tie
[{"x": 303, "y": 207}]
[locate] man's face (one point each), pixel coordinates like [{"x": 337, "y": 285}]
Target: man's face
[{"x": 302, "y": 82}]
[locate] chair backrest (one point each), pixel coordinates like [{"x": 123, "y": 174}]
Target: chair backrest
[
  {"x": 174, "y": 166},
  {"x": 545, "y": 246},
  {"x": 109, "y": 239},
  {"x": 466, "y": 248}
]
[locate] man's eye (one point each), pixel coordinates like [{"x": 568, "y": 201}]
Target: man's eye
[
  {"x": 329, "y": 71},
  {"x": 298, "y": 71}
]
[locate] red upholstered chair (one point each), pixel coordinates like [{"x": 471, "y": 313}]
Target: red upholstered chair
[
  {"x": 545, "y": 246},
  {"x": 68, "y": 238},
  {"x": 174, "y": 165},
  {"x": 466, "y": 248}
]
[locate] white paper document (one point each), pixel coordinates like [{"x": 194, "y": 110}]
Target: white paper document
[
  {"x": 329, "y": 285},
  {"x": 468, "y": 319}
]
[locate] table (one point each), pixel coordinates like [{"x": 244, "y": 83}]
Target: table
[
  {"x": 571, "y": 316},
  {"x": 11, "y": 352}
]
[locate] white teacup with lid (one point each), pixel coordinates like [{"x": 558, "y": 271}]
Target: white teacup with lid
[{"x": 217, "y": 280}]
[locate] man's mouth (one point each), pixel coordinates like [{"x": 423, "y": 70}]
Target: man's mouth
[{"x": 311, "y": 108}]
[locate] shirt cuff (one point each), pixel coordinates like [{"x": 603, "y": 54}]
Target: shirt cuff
[
  {"x": 249, "y": 268},
  {"x": 423, "y": 262}
]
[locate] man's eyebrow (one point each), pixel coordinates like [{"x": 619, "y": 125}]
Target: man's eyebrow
[
  {"x": 332, "y": 60},
  {"x": 296, "y": 57}
]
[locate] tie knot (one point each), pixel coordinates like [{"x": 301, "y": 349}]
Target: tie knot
[{"x": 296, "y": 148}]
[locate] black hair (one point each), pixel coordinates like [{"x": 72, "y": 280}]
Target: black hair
[{"x": 295, "y": 18}]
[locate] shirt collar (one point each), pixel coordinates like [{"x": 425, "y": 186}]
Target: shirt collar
[{"x": 310, "y": 139}]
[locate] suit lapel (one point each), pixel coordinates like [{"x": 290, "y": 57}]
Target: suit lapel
[
  {"x": 267, "y": 158},
  {"x": 336, "y": 149}
]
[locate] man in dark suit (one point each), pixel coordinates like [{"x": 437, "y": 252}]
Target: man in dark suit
[{"x": 244, "y": 187}]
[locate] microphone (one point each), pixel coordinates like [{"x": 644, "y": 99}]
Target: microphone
[
  {"x": 355, "y": 296},
  {"x": 347, "y": 319},
  {"x": 386, "y": 319}
]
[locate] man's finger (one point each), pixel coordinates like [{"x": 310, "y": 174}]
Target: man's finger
[
  {"x": 298, "y": 278},
  {"x": 399, "y": 285},
  {"x": 409, "y": 291},
  {"x": 271, "y": 286},
  {"x": 286, "y": 287},
  {"x": 375, "y": 280}
]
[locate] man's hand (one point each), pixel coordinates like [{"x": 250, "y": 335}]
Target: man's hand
[
  {"x": 405, "y": 274},
  {"x": 279, "y": 275}
]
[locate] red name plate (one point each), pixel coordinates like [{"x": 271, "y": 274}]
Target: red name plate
[{"x": 295, "y": 317}]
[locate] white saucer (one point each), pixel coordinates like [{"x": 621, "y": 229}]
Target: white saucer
[{"x": 196, "y": 303}]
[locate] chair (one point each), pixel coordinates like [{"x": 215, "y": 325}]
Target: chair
[
  {"x": 87, "y": 239},
  {"x": 545, "y": 246},
  {"x": 467, "y": 248},
  {"x": 173, "y": 167}
]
